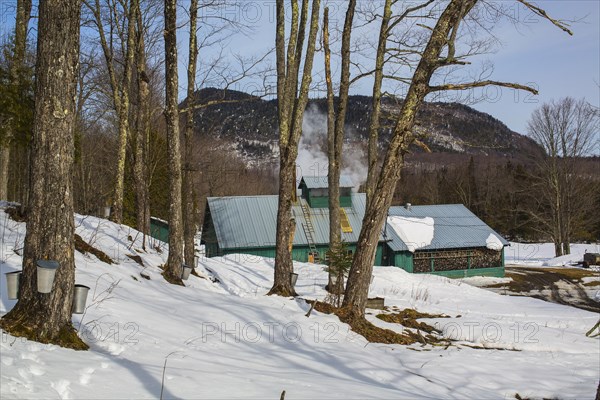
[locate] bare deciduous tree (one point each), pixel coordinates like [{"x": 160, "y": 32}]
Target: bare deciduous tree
[
  {"x": 291, "y": 102},
  {"x": 120, "y": 88},
  {"x": 439, "y": 52},
  {"x": 141, "y": 130},
  {"x": 336, "y": 119},
  {"x": 173, "y": 269},
  {"x": 566, "y": 130},
  {"x": 50, "y": 227},
  {"x": 189, "y": 222}
]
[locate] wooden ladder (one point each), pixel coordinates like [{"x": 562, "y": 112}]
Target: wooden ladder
[{"x": 309, "y": 231}]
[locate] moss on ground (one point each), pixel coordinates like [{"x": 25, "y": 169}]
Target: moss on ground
[
  {"x": 66, "y": 337},
  {"x": 408, "y": 319}
]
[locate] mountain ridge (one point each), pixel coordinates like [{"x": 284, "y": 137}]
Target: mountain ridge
[{"x": 249, "y": 125}]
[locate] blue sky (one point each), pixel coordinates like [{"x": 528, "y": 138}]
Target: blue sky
[{"x": 534, "y": 53}]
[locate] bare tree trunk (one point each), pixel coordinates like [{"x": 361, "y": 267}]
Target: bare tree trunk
[
  {"x": 335, "y": 131},
  {"x": 21, "y": 25},
  {"x": 291, "y": 103},
  {"x": 140, "y": 167},
  {"x": 334, "y": 211},
  {"x": 50, "y": 227},
  {"x": 189, "y": 220},
  {"x": 123, "y": 113},
  {"x": 373, "y": 146},
  {"x": 120, "y": 95},
  {"x": 173, "y": 269},
  {"x": 4, "y": 163},
  {"x": 360, "y": 273}
]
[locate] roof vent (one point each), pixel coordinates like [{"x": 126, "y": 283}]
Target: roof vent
[{"x": 407, "y": 206}]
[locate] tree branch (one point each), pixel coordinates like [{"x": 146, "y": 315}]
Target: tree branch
[
  {"x": 470, "y": 85},
  {"x": 542, "y": 13}
]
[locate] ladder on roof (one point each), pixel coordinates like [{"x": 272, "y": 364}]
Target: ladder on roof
[{"x": 309, "y": 231}]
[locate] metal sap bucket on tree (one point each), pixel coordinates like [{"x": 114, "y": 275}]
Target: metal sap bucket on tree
[
  {"x": 46, "y": 271},
  {"x": 293, "y": 278},
  {"x": 185, "y": 273},
  {"x": 80, "y": 294},
  {"x": 13, "y": 281}
]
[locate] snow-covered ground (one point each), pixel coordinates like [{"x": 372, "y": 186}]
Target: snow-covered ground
[
  {"x": 223, "y": 338},
  {"x": 542, "y": 254}
]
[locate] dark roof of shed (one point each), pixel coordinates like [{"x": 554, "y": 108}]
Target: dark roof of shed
[{"x": 321, "y": 182}]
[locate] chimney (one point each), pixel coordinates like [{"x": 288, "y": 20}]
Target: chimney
[{"x": 407, "y": 206}]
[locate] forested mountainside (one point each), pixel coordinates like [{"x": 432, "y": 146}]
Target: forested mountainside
[{"x": 249, "y": 123}]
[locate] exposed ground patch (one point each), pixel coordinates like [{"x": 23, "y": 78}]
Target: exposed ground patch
[
  {"x": 83, "y": 247},
  {"x": 558, "y": 285}
]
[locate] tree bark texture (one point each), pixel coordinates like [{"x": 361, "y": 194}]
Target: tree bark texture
[
  {"x": 174, "y": 268},
  {"x": 334, "y": 220},
  {"x": 189, "y": 221},
  {"x": 50, "y": 227},
  {"x": 4, "y": 163},
  {"x": 123, "y": 115},
  {"x": 120, "y": 95},
  {"x": 362, "y": 266},
  {"x": 291, "y": 103},
  {"x": 142, "y": 129},
  {"x": 373, "y": 146},
  {"x": 336, "y": 119}
]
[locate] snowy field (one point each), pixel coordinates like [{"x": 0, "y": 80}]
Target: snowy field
[
  {"x": 542, "y": 254},
  {"x": 221, "y": 337}
]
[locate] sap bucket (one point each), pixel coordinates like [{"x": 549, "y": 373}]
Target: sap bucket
[
  {"x": 46, "y": 270},
  {"x": 13, "y": 280},
  {"x": 185, "y": 273},
  {"x": 79, "y": 299},
  {"x": 293, "y": 278}
]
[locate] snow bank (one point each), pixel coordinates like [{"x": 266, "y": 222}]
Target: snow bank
[
  {"x": 493, "y": 242},
  {"x": 542, "y": 254},
  {"x": 220, "y": 336},
  {"x": 414, "y": 232}
]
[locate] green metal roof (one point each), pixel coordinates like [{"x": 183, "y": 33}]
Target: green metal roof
[
  {"x": 320, "y": 182},
  {"x": 243, "y": 222},
  {"x": 251, "y": 221},
  {"x": 455, "y": 226}
]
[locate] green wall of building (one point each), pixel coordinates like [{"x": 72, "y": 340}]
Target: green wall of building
[
  {"x": 299, "y": 253},
  {"x": 159, "y": 230},
  {"x": 404, "y": 260},
  {"x": 323, "y": 201}
]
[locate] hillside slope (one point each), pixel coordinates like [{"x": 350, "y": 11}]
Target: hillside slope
[
  {"x": 250, "y": 124},
  {"x": 222, "y": 337}
]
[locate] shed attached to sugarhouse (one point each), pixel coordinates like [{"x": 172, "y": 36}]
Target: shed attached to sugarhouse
[{"x": 446, "y": 239}]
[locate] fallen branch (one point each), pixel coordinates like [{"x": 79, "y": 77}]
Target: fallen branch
[
  {"x": 589, "y": 333},
  {"x": 312, "y": 306}
]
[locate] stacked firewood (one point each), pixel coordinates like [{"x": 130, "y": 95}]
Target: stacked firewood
[
  {"x": 450, "y": 260},
  {"x": 486, "y": 258}
]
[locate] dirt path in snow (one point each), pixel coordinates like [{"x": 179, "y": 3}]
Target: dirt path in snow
[{"x": 557, "y": 285}]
